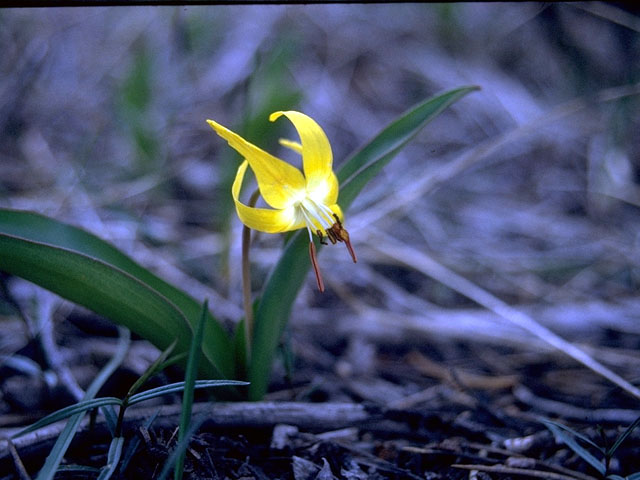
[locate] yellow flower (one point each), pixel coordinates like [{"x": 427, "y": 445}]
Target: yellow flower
[{"x": 298, "y": 199}]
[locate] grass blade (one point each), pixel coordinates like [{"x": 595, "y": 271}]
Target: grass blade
[
  {"x": 289, "y": 273},
  {"x": 180, "y": 449},
  {"x": 623, "y": 436},
  {"x": 67, "y": 412},
  {"x": 572, "y": 432},
  {"x": 121, "y": 352},
  {"x": 152, "y": 370},
  {"x": 113, "y": 457},
  {"x": 563, "y": 436},
  {"x": 189, "y": 383},
  {"x": 179, "y": 387},
  {"x": 59, "y": 449},
  {"x": 134, "y": 443}
]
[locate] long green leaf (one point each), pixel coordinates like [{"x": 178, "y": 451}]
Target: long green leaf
[
  {"x": 91, "y": 272},
  {"x": 366, "y": 163},
  {"x": 97, "y": 285},
  {"x": 289, "y": 273}
]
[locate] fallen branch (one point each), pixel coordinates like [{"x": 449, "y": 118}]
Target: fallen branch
[{"x": 308, "y": 416}]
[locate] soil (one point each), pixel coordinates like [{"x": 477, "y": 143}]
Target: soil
[{"x": 352, "y": 407}]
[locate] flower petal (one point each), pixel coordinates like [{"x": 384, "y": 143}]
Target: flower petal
[
  {"x": 325, "y": 191},
  {"x": 262, "y": 219},
  {"x": 280, "y": 184},
  {"x": 317, "y": 159}
]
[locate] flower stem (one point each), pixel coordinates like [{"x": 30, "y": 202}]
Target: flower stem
[{"x": 246, "y": 281}]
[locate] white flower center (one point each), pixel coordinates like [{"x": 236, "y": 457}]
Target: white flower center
[{"x": 316, "y": 216}]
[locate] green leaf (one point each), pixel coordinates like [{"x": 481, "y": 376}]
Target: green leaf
[
  {"x": 289, "y": 273},
  {"x": 67, "y": 412},
  {"x": 179, "y": 386},
  {"x": 623, "y": 436},
  {"x": 91, "y": 272},
  {"x": 154, "y": 368},
  {"x": 575, "y": 434},
  {"x": 563, "y": 435},
  {"x": 365, "y": 164}
]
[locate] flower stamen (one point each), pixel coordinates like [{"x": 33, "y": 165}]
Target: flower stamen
[
  {"x": 321, "y": 237},
  {"x": 337, "y": 233}
]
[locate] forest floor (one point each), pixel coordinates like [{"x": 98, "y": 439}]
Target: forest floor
[{"x": 517, "y": 206}]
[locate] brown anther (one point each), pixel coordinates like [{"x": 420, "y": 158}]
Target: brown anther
[
  {"x": 331, "y": 236},
  {"x": 337, "y": 233},
  {"x": 321, "y": 237},
  {"x": 316, "y": 269}
]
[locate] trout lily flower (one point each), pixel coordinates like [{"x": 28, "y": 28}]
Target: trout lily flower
[{"x": 298, "y": 199}]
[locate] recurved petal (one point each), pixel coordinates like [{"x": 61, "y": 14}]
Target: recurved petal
[
  {"x": 262, "y": 219},
  {"x": 317, "y": 159},
  {"x": 280, "y": 184}
]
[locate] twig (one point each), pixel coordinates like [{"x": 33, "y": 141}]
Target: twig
[
  {"x": 47, "y": 305},
  {"x": 460, "y": 377},
  {"x": 17, "y": 462},
  {"x": 419, "y": 260},
  {"x": 331, "y": 416},
  {"x": 521, "y": 471},
  {"x": 570, "y": 412}
]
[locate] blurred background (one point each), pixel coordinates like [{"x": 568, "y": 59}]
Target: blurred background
[{"x": 529, "y": 188}]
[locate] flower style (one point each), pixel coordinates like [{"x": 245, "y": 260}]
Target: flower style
[{"x": 297, "y": 199}]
